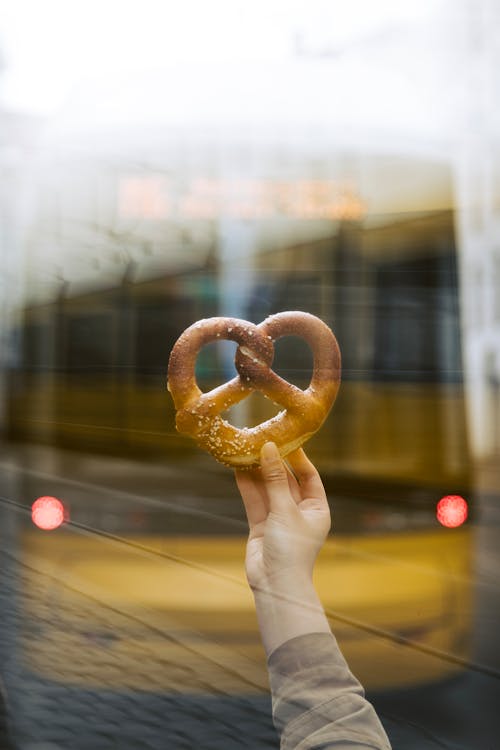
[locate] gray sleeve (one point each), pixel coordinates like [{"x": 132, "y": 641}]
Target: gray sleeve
[{"x": 317, "y": 701}]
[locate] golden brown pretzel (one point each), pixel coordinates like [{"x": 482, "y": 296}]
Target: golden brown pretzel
[{"x": 198, "y": 413}]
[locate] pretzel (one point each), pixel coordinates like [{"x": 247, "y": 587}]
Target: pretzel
[{"x": 198, "y": 413}]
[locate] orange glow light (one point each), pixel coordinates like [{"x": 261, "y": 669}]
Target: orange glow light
[
  {"x": 451, "y": 511},
  {"x": 48, "y": 513},
  {"x": 154, "y": 197}
]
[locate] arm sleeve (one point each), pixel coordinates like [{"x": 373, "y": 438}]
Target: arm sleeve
[{"x": 318, "y": 704}]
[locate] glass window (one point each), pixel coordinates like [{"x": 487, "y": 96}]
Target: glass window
[{"x": 90, "y": 343}]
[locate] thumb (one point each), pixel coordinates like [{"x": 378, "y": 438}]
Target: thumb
[{"x": 275, "y": 478}]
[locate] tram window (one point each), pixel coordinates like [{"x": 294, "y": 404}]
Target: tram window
[
  {"x": 37, "y": 349},
  {"x": 416, "y": 321},
  {"x": 351, "y": 320},
  {"x": 293, "y": 360},
  {"x": 90, "y": 343},
  {"x": 157, "y": 327},
  {"x": 297, "y": 293}
]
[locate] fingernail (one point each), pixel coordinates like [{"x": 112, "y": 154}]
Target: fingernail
[{"x": 269, "y": 452}]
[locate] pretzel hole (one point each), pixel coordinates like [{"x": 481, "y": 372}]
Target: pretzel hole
[
  {"x": 253, "y": 410},
  {"x": 215, "y": 364},
  {"x": 293, "y": 360}
]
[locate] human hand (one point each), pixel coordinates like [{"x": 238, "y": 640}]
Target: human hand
[{"x": 288, "y": 516}]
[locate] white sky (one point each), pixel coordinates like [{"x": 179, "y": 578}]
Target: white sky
[{"x": 50, "y": 46}]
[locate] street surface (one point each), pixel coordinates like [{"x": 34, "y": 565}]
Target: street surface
[{"x": 217, "y": 697}]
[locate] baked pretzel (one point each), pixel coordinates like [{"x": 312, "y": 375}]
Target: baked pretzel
[{"x": 198, "y": 413}]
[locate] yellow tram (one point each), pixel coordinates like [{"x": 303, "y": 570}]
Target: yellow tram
[{"x": 394, "y": 580}]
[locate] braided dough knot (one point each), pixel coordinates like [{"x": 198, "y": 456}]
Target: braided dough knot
[{"x": 198, "y": 413}]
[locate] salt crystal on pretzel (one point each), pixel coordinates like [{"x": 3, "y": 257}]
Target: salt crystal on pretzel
[{"x": 198, "y": 413}]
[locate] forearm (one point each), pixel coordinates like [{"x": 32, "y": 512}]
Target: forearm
[
  {"x": 288, "y": 607},
  {"x": 317, "y": 701}
]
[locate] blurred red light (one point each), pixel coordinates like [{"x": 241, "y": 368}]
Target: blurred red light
[
  {"x": 451, "y": 511},
  {"x": 47, "y": 513}
]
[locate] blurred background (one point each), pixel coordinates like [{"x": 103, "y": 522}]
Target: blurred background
[{"x": 162, "y": 163}]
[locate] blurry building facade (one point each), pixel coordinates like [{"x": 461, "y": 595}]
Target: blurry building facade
[
  {"x": 18, "y": 149},
  {"x": 478, "y": 218}
]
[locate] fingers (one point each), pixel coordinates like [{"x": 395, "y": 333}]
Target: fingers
[
  {"x": 253, "y": 494},
  {"x": 307, "y": 476},
  {"x": 275, "y": 476},
  {"x": 275, "y": 486},
  {"x": 293, "y": 485}
]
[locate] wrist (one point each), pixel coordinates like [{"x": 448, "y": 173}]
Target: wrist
[
  {"x": 287, "y": 607},
  {"x": 288, "y": 582}
]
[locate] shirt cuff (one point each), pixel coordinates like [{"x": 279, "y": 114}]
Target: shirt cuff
[{"x": 314, "y": 693}]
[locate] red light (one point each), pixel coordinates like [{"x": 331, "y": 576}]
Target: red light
[
  {"x": 451, "y": 511},
  {"x": 47, "y": 513}
]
